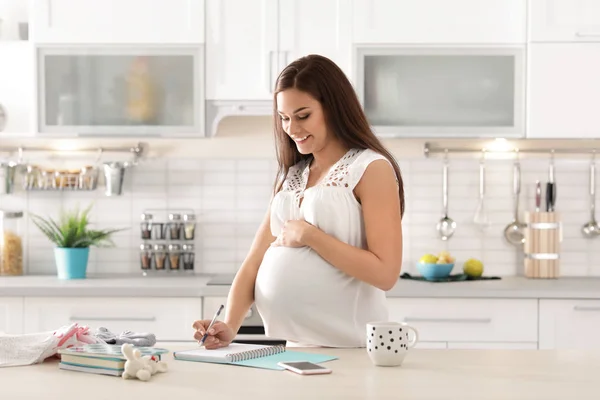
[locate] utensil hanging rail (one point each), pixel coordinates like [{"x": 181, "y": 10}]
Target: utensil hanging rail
[
  {"x": 428, "y": 149},
  {"x": 138, "y": 150}
]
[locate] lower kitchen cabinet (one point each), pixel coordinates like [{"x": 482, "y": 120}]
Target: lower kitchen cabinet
[
  {"x": 569, "y": 324},
  {"x": 486, "y": 323},
  {"x": 11, "y": 315},
  {"x": 170, "y": 319}
]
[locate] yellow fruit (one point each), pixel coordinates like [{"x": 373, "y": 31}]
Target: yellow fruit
[
  {"x": 428, "y": 259},
  {"x": 473, "y": 267},
  {"x": 444, "y": 254}
]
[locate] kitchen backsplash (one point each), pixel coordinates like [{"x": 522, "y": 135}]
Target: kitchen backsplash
[{"x": 230, "y": 198}]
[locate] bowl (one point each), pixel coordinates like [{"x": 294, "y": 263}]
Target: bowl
[{"x": 434, "y": 271}]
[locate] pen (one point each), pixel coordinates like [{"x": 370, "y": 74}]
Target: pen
[{"x": 201, "y": 342}]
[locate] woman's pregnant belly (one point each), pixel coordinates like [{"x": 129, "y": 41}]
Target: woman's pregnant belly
[{"x": 299, "y": 294}]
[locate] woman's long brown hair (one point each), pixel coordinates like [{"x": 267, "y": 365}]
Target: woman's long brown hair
[{"x": 326, "y": 82}]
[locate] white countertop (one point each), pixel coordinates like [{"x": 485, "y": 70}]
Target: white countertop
[
  {"x": 425, "y": 374},
  {"x": 196, "y": 286}
]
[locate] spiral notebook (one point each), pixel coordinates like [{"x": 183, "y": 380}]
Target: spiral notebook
[{"x": 250, "y": 355}]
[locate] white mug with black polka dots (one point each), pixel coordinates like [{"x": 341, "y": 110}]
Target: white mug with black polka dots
[{"x": 388, "y": 342}]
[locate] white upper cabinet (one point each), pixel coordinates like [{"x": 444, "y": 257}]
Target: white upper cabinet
[
  {"x": 439, "y": 21},
  {"x": 564, "y": 90},
  {"x": 118, "y": 21},
  {"x": 327, "y": 32},
  {"x": 241, "y": 49},
  {"x": 564, "y": 20},
  {"x": 249, "y": 43},
  {"x": 16, "y": 88}
]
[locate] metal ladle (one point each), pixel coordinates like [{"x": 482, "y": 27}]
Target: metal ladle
[
  {"x": 481, "y": 219},
  {"x": 514, "y": 232},
  {"x": 447, "y": 225},
  {"x": 591, "y": 229}
]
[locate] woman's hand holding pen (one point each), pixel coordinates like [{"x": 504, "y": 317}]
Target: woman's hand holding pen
[
  {"x": 219, "y": 335},
  {"x": 293, "y": 234}
]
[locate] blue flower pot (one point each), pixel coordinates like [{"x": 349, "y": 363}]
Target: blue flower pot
[{"x": 71, "y": 263}]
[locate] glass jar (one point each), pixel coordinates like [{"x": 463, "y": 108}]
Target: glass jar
[
  {"x": 145, "y": 256},
  {"x": 158, "y": 232},
  {"x": 188, "y": 257},
  {"x": 146, "y": 226},
  {"x": 189, "y": 226},
  {"x": 11, "y": 243},
  {"x": 174, "y": 256},
  {"x": 160, "y": 256},
  {"x": 174, "y": 226}
]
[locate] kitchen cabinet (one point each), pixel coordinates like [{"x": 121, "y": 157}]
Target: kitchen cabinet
[
  {"x": 11, "y": 315},
  {"x": 120, "y": 90},
  {"x": 564, "y": 21},
  {"x": 170, "y": 319},
  {"x": 439, "y": 21},
  {"x": 117, "y": 21},
  {"x": 460, "y": 322},
  {"x": 563, "y": 91},
  {"x": 249, "y": 43},
  {"x": 16, "y": 88},
  {"x": 569, "y": 324}
]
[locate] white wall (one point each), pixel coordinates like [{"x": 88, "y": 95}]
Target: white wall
[{"x": 228, "y": 181}]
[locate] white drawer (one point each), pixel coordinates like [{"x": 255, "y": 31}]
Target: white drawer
[
  {"x": 11, "y": 315},
  {"x": 569, "y": 324},
  {"x": 170, "y": 319},
  {"x": 468, "y": 320}
]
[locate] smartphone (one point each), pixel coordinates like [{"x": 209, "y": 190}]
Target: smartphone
[{"x": 304, "y": 368}]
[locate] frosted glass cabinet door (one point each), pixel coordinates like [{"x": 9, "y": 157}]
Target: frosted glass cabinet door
[
  {"x": 123, "y": 91},
  {"x": 442, "y": 92}
]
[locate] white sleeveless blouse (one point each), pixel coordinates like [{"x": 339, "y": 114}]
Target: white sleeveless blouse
[{"x": 300, "y": 296}]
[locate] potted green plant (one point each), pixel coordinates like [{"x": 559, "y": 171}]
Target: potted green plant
[{"x": 73, "y": 238}]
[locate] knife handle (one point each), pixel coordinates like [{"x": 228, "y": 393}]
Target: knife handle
[
  {"x": 550, "y": 196},
  {"x": 538, "y": 196}
]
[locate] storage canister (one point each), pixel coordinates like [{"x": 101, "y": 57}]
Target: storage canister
[{"x": 11, "y": 242}]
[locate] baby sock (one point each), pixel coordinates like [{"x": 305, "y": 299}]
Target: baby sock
[{"x": 136, "y": 339}]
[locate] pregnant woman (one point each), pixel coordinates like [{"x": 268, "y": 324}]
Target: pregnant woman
[{"x": 330, "y": 244}]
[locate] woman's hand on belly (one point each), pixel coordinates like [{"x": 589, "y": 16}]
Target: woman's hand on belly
[{"x": 293, "y": 233}]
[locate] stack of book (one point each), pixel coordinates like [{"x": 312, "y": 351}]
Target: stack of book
[{"x": 103, "y": 359}]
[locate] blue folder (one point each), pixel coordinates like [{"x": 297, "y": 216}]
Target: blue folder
[{"x": 250, "y": 355}]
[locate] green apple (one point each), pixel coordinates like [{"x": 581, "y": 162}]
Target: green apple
[
  {"x": 428, "y": 259},
  {"x": 473, "y": 267}
]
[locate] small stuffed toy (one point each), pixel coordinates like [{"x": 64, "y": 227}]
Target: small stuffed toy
[{"x": 140, "y": 367}]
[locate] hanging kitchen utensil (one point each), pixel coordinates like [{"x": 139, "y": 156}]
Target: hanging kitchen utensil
[
  {"x": 591, "y": 229},
  {"x": 446, "y": 226},
  {"x": 514, "y": 232},
  {"x": 114, "y": 175},
  {"x": 481, "y": 219}
]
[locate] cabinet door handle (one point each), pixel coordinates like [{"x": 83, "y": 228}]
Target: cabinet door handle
[
  {"x": 270, "y": 70},
  {"x": 134, "y": 319},
  {"x": 449, "y": 320},
  {"x": 587, "y": 34},
  {"x": 585, "y": 308}
]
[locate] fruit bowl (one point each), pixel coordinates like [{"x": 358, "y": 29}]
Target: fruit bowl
[{"x": 434, "y": 271}]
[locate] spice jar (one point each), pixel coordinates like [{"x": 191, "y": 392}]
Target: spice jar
[
  {"x": 189, "y": 226},
  {"x": 174, "y": 226},
  {"x": 146, "y": 226},
  {"x": 11, "y": 243},
  {"x": 188, "y": 257},
  {"x": 174, "y": 256},
  {"x": 157, "y": 231},
  {"x": 146, "y": 256},
  {"x": 160, "y": 256}
]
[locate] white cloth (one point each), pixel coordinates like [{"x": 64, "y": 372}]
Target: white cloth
[
  {"x": 33, "y": 348},
  {"x": 300, "y": 296}
]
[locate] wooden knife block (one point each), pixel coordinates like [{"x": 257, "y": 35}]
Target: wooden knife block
[{"x": 542, "y": 244}]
